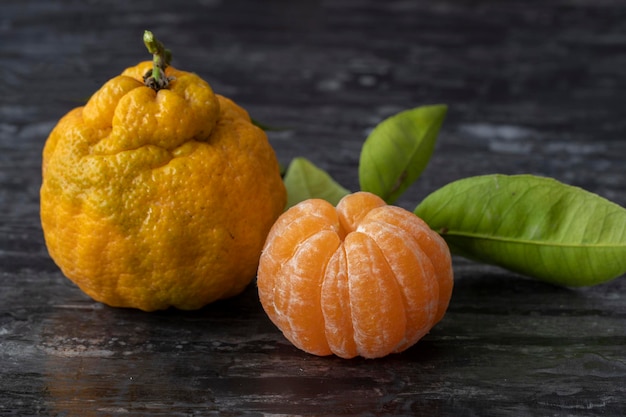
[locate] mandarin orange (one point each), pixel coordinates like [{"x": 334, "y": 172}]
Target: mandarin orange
[{"x": 362, "y": 279}]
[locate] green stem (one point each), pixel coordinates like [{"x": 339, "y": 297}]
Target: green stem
[{"x": 161, "y": 58}]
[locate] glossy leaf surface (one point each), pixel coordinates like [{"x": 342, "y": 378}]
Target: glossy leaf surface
[
  {"x": 398, "y": 150},
  {"x": 532, "y": 225},
  {"x": 304, "y": 180}
]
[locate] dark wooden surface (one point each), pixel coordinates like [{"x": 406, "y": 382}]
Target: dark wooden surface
[{"x": 533, "y": 87}]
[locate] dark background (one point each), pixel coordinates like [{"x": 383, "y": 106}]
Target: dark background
[{"x": 532, "y": 87}]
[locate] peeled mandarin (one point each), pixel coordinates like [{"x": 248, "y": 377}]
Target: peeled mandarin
[{"x": 360, "y": 279}]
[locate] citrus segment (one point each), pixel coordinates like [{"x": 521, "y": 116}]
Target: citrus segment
[
  {"x": 378, "y": 318},
  {"x": 336, "y": 307},
  {"x": 352, "y": 210}
]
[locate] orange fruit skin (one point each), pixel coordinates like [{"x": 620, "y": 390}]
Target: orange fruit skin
[
  {"x": 158, "y": 199},
  {"x": 362, "y": 279}
]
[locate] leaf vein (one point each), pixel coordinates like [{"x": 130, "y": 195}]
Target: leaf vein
[{"x": 477, "y": 236}]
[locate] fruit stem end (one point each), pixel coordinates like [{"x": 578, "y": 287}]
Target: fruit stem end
[{"x": 155, "y": 78}]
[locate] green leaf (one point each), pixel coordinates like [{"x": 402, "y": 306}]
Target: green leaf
[
  {"x": 397, "y": 151},
  {"x": 304, "y": 180},
  {"x": 532, "y": 225}
]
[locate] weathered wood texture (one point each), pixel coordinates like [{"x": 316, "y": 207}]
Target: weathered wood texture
[{"x": 533, "y": 87}]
